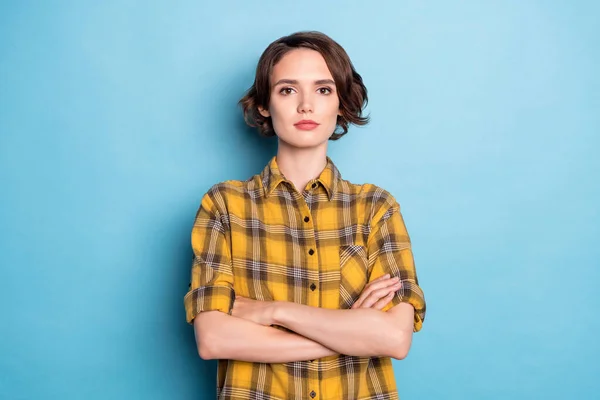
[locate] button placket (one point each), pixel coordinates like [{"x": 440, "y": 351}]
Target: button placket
[
  {"x": 312, "y": 259},
  {"x": 312, "y": 263}
]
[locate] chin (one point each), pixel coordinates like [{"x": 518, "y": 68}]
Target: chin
[
  {"x": 309, "y": 142},
  {"x": 304, "y": 145},
  {"x": 303, "y": 139}
]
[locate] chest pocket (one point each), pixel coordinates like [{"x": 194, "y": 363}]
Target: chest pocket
[{"x": 353, "y": 273}]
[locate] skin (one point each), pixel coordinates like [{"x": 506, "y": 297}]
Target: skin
[{"x": 302, "y": 87}]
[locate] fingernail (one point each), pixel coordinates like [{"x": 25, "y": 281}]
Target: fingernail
[{"x": 387, "y": 275}]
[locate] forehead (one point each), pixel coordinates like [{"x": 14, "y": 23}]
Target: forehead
[{"x": 301, "y": 64}]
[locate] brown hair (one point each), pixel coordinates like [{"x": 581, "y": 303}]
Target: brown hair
[{"x": 352, "y": 93}]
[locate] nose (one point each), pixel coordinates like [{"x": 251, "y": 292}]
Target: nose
[{"x": 305, "y": 104}]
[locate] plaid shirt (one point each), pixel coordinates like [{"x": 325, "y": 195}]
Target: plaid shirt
[{"x": 264, "y": 240}]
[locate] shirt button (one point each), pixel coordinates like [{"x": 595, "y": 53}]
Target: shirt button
[
  {"x": 313, "y": 287},
  {"x": 313, "y": 394},
  {"x": 306, "y": 219},
  {"x": 314, "y": 185},
  {"x": 311, "y": 252}
]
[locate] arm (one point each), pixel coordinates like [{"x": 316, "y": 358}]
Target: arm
[
  {"x": 221, "y": 336},
  {"x": 209, "y": 301},
  {"x": 247, "y": 336},
  {"x": 360, "y": 332},
  {"x": 368, "y": 332},
  {"x": 232, "y": 337}
]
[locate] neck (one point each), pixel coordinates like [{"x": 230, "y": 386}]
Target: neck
[{"x": 300, "y": 165}]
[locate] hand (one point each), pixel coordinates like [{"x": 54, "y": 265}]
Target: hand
[
  {"x": 260, "y": 312},
  {"x": 378, "y": 293}
]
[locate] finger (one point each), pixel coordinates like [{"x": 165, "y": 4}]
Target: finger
[
  {"x": 360, "y": 300},
  {"x": 379, "y": 294},
  {"x": 374, "y": 285},
  {"x": 380, "y": 279},
  {"x": 377, "y": 286},
  {"x": 382, "y": 282},
  {"x": 373, "y": 297},
  {"x": 376, "y": 295},
  {"x": 383, "y": 301},
  {"x": 379, "y": 283}
]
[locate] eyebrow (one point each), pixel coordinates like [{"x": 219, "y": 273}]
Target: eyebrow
[{"x": 295, "y": 82}]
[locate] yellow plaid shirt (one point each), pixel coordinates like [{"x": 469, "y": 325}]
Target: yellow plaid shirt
[{"x": 263, "y": 239}]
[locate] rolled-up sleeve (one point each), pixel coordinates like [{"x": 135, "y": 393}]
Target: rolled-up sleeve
[
  {"x": 211, "y": 284},
  {"x": 390, "y": 252}
]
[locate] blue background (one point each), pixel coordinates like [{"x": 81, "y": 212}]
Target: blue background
[{"x": 116, "y": 117}]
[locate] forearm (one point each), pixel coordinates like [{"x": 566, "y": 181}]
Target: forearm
[
  {"x": 360, "y": 332},
  {"x": 221, "y": 336}
]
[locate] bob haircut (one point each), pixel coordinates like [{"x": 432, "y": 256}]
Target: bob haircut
[{"x": 352, "y": 93}]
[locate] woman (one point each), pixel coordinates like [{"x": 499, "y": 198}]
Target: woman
[{"x": 303, "y": 283}]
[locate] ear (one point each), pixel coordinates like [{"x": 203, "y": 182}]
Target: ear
[
  {"x": 263, "y": 112},
  {"x": 340, "y": 112}
]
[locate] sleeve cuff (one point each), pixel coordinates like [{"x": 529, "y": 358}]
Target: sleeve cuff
[
  {"x": 410, "y": 293},
  {"x": 208, "y": 298}
]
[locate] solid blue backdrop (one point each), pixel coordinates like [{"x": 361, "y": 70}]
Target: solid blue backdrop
[{"x": 117, "y": 116}]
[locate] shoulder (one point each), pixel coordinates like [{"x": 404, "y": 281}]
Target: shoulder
[
  {"x": 225, "y": 188},
  {"x": 222, "y": 195},
  {"x": 378, "y": 198},
  {"x": 378, "y": 203}
]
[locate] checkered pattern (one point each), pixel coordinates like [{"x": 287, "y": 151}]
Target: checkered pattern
[{"x": 265, "y": 240}]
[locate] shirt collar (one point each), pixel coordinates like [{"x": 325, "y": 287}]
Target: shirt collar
[{"x": 271, "y": 176}]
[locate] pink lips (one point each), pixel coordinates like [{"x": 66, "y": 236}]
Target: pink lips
[{"x": 306, "y": 125}]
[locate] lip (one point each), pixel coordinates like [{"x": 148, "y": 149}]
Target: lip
[{"x": 306, "y": 125}]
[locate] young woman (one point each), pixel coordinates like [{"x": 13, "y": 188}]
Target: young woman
[{"x": 303, "y": 283}]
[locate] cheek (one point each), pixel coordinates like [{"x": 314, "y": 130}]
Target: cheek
[
  {"x": 331, "y": 105},
  {"x": 278, "y": 116},
  {"x": 279, "y": 119},
  {"x": 280, "y": 109},
  {"x": 331, "y": 109}
]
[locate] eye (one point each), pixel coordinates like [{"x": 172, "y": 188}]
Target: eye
[
  {"x": 286, "y": 90},
  {"x": 324, "y": 90}
]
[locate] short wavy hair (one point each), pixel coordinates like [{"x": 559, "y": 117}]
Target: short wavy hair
[{"x": 352, "y": 93}]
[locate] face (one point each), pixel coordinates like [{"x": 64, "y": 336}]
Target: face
[{"x": 304, "y": 103}]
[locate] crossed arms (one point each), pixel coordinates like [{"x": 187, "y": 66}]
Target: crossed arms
[
  {"x": 364, "y": 330},
  {"x": 380, "y": 322}
]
